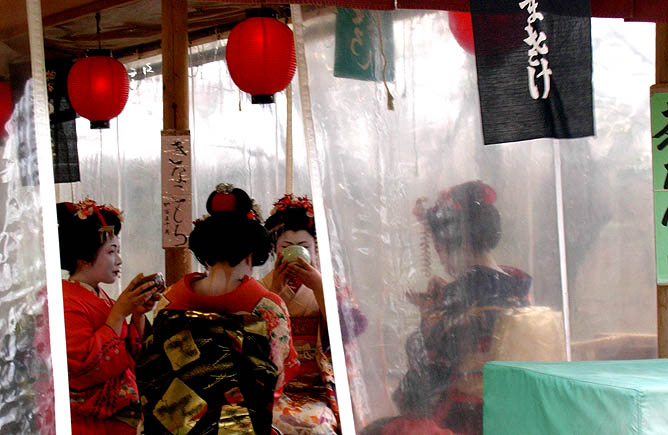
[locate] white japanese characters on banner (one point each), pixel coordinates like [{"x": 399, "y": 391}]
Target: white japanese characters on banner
[
  {"x": 176, "y": 189},
  {"x": 538, "y": 48}
]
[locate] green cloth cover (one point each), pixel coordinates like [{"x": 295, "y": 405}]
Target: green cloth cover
[{"x": 586, "y": 397}]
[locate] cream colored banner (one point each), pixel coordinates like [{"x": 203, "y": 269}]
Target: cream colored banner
[{"x": 176, "y": 171}]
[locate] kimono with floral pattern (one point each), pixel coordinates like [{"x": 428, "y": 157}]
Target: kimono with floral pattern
[
  {"x": 308, "y": 404},
  {"x": 103, "y": 390}
]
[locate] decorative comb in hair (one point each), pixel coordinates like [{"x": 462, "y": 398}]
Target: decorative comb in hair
[
  {"x": 88, "y": 207},
  {"x": 289, "y": 201}
]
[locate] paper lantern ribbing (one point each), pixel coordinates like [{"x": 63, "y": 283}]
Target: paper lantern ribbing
[
  {"x": 261, "y": 58},
  {"x": 98, "y": 88},
  {"x": 6, "y": 106}
]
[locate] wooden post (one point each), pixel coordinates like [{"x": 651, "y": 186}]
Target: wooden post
[
  {"x": 175, "y": 103},
  {"x": 662, "y": 290}
]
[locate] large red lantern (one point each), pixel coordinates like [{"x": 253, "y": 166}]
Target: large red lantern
[
  {"x": 261, "y": 55},
  {"x": 503, "y": 32},
  {"x": 6, "y": 106},
  {"x": 98, "y": 88},
  {"x": 462, "y": 29}
]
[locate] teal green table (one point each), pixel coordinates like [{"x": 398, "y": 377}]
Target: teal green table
[{"x": 587, "y": 397}]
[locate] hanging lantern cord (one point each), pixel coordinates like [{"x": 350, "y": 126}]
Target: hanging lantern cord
[
  {"x": 379, "y": 26},
  {"x": 97, "y": 23}
]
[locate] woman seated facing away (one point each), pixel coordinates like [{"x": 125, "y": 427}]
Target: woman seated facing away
[
  {"x": 101, "y": 345},
  {"x": 442, "y": 391},
  {"x": 308, "y": 404},
  {"x": 220, "y": 348}
]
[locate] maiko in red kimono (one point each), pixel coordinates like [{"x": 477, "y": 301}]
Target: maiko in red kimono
[{"x": 103, "y": 390}]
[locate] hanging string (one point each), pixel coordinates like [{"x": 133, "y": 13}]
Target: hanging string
[
  {"x": 97, "y": 25},
  {"x": 288, "y": 141},
  {"x": 379, "y": 26}
]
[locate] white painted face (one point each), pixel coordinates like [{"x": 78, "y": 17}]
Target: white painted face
[
  {"x": 299, "y": 238},
  {"x": 107, "y": 264}
]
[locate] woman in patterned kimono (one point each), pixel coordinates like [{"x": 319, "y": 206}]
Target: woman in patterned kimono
[
  {"x": 101, "y": 345},
  {"x": 308, "y": 404},
  {"x": 441, "y": 393},
  {"x": 221, "y": 348}
]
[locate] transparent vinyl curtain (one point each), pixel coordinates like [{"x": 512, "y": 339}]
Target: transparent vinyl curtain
[
  {"x": 32, "y": 370},
  {"x": 576, "y": 215}
]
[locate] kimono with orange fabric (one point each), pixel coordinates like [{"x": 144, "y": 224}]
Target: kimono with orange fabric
[
  {"x": 103, "y": 390},
  {"x": 249, "y": 297}
]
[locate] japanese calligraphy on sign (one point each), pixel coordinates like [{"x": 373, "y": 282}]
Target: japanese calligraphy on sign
[
  {"x": 364, "y": 47},
  {"x": 538, "y": 51},
  {"x": 659, "y": 129},
  {"x": 176, "y": 190}
]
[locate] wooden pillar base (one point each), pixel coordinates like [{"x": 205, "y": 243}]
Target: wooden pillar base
[{"x": 178, "y": 262}]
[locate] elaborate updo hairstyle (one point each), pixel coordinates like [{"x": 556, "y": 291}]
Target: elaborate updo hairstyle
[
  {"x": 465, "y": 215},
  {"x": 83, "y": 227},
  {"x": 232, "y": 231},
  {"x": 291, "y": 213}
]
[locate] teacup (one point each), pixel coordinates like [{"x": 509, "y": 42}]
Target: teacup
[{"x": 293, "y": 252}]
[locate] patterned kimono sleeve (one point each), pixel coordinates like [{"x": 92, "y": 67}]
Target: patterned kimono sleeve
[
  {"x": 133, "y": 341},
  {"x": 283, "y": 354},
  {"x": 352, "y": 319},
  {"x": 93, "y": 356}
]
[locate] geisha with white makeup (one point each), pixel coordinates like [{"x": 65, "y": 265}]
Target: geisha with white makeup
[
  {"x": 308, "y": 404},
  {"x": 101, "y": 344}
]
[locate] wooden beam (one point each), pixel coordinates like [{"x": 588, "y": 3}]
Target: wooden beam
[
  {"x": 84, "y": 8},
  {"x": 53, "y": 13},
  {"x": 175, "y": 103},
  {"x": 662, "y": 53}
]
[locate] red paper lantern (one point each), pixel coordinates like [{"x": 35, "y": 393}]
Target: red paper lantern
[
  {"x": 503, "y": 32},
  {"x": 261, "y": 56},
  {"x": 462, "y": 29},
  {"x": 6, "y": 106},
  {"x": 98, "y": 88}
]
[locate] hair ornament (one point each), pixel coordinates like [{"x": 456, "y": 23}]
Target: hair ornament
[
  {"x": 203, "y": 218},
  {"x": 289, "y": 201},
  {"x": 224, "y": 200},
  {"x": 88, "y": 207},
  {"x": 446, "y": 199},
  {"x": 421, "y": 214}
]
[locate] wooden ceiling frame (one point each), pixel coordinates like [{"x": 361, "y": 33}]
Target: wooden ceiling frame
[{"x": 83, "y": 9}]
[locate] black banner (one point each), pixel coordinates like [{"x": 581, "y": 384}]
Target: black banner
[
  {"x": 534, "y": 67},
  {"x": 63, "y": 128}
]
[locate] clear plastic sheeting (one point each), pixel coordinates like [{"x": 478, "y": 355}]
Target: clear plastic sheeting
[
  {"x": 26, "y": 378},
  {"x": 578, "y": 209},
  {"x": 432, "y": 318}
]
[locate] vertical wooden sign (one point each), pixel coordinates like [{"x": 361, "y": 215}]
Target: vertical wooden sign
[
  {"x": 659, "y": 129},
  {"x": 176, "y": 189}
]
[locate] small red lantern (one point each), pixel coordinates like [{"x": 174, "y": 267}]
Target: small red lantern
[
  {"x": 261, "y": 55},
  {"x": 6, "y": 106},
  {"x": 98, "y": 88}
]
